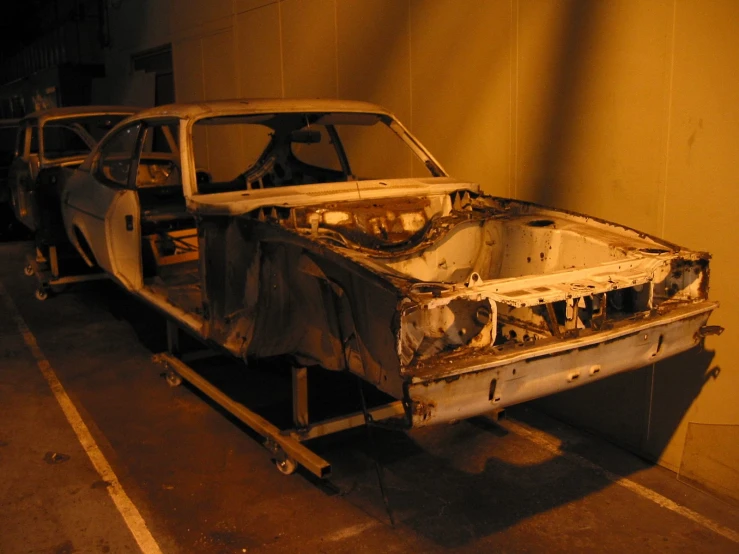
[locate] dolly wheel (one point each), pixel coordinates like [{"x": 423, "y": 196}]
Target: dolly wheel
[
  {"x": 286, "y": 466},
  {"x": 28, "y": 271},
  {"x": 173, "y": 378},
  {"x": 41, "y": 294}
]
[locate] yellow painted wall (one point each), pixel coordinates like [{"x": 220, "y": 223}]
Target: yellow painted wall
[
  {"x": 623, "y": 109},
  {"x": 701, "y": 194}
]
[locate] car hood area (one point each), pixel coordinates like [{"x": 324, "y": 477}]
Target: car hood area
[{"x": 404, "y": 288}]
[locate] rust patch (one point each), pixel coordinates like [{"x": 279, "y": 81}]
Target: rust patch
[{"x": 424, "y": 410}]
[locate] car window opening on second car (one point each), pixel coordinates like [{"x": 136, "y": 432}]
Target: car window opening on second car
[{"x": 75, "y": 136}]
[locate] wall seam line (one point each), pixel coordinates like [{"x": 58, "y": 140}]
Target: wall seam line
[
  {"x": 255, "y": 8},
  {"x": 235, "y": 42},
  {"x": 511, "y": 154},
  {"x": 514, "y": 95},
  {"x": 202, "y": 83},
  {"x": 650, "y": 403},
  {"x": 282, "y": 57},
  {"x": 668, "y": 132},
  {"x": 336, "y": 44},
  {"x": 410, "y": 71}
]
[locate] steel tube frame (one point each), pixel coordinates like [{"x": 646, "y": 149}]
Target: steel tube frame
[{"x": 282, "y": 443}]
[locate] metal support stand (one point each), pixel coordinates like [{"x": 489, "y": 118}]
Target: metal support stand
[
  {"x": 46, "y": 270},
  {"x": 285, "y": 445},
  {"x": 300, "y": 397},
  {"x": 173, "y": 338}
]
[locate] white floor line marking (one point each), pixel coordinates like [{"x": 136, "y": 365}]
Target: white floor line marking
[
  {"x": 352, "y": 531},
  {"x": 123, "y": 503},
  {"x": 542, "y": 439}
]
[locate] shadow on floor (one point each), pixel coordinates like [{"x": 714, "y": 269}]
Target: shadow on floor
[
  {"x": 10, "y": 228},
  {"x": 451, "y": 484}
]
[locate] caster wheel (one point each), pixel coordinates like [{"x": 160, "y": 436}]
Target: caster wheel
[
  {"x": 173, "y": 379},
  {"x": 286, "y": 466},
  {"x": 41, "y": 294},
  {"x": 28, "y": 271}
]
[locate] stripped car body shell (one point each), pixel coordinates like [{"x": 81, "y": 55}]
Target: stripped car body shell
[
  {"x": 453, "y": 301},
  {"x": 339, "y": 306}
]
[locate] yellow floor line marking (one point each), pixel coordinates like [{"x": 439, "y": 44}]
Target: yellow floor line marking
[
  {"x": 546, "y": 441},
  {"x": 123, "y": 503},
  {"x": 352, "y": 531}
]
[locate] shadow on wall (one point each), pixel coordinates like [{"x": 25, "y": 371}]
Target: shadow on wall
[
  {"x": 642, "y": 409},
  {"x": 568, "y": 80},
  {"x": 376, "y": 59}
]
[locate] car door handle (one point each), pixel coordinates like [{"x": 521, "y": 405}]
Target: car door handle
[{"x": 129, "y": 223}]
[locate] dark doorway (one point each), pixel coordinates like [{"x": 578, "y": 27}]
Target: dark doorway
[{"x": 158, "y": 61}]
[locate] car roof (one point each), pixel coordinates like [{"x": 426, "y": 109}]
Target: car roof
[
  {"x": 71, "y": 111},
  {"x": 245, "y": 106}
]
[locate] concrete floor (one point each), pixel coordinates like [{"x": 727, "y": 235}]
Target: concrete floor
[{"x": 202, "y": 483}]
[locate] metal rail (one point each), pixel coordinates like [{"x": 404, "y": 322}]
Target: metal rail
[
  {"x": 48, "y": 274},
  {"x": 285, "y": 445},
  {"x": 292, "y": 447}
]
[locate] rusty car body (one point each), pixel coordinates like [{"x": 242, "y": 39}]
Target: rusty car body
[
  {"x": 324, "y": 233},
  {"x": 50, "y": 144}
]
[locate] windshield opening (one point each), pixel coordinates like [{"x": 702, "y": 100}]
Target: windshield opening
[{"x": 271, "y": 150}]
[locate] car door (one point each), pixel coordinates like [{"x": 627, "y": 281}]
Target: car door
[
  {"x": 23, "y": 172},
  {"x": 104, "y": 206}
]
